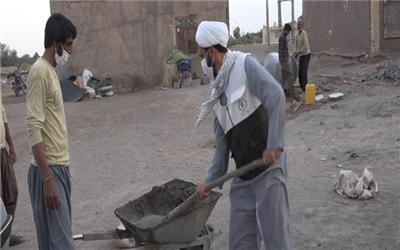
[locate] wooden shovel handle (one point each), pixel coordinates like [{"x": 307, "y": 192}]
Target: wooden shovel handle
[
  {"x": 236, "y": 173},
  {"x": 217, "y": 182}
]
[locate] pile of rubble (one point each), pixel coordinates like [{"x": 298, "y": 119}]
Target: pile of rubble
[{"x": 389, "y": 71}]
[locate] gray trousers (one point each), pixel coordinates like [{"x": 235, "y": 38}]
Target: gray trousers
[
  {"x": 53, "y": 227},
  {"x": 260, "y": 211}
]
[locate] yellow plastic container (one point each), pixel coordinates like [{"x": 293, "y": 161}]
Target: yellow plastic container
[{"x": 311, "y": 91}]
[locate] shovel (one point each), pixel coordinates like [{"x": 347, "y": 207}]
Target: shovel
[{"x": 153, "y": 220}]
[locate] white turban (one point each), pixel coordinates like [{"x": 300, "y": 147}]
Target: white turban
[{"x": 212, "y": 33}]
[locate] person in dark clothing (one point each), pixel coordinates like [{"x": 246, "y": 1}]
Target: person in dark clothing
[
  {"x": 283, "y": 51},
  {"x": 9, "y": 188}
]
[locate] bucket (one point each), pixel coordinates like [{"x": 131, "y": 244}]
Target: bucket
[{"x": 311, "y": 91}]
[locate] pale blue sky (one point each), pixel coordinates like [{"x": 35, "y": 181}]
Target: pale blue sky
[
  {"x": 250, "y": 15},
  {"x": 22, "y": 21}
]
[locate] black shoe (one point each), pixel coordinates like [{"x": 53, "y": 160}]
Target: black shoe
[{"x": 16, "y": 240}]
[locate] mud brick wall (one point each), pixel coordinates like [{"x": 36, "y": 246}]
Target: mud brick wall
[{"x": 130, "y": 40}]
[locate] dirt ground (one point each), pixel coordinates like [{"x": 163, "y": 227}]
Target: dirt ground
[{"x": 124, "y": 145}]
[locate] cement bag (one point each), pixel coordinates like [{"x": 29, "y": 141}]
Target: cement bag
[
  {"x": 349, "y": 185},
  {"x": 86, "y": 75}
]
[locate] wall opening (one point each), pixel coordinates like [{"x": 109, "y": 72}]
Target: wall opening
[
  {"x": 185, "y": 32},
  {"x": 391, "y": 20}
]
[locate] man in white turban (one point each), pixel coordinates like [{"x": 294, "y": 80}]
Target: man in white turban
[
  {"x": 212, "y": 33},
  {"x": 249, "y": 105}
]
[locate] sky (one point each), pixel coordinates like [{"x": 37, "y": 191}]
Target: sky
[
  {"x": 250, "y": 15},
  {"x": 22, "y": 28}
]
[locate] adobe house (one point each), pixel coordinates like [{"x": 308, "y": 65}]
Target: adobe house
[
  {"x": 130, "y": 40},
  {"x": 352, "y": 28}
]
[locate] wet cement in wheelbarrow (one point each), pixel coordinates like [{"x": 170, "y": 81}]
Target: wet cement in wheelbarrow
[
  {"x": 150, "y": 221},
  {"x": 150, "y": 209}
]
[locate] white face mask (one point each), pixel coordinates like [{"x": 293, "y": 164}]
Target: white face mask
[
  {"x": 207, "y": 71},
  {"x": 63, "y": 59}
]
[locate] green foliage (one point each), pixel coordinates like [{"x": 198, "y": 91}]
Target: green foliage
[
  {"x": 9, "y": 57},
  {"x": 247, "y": 38}
]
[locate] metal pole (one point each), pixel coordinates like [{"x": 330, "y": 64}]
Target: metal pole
[
  {"x": 293, "y": 22},
  {"x": 279, "y": 14},
  {"x": 292, "y": 11},
  {"x": 267, "y": 21}
]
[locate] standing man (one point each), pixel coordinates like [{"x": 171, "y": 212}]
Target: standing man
[
  {"x": 249, "y": 105},
  {"x": 283, "y": 51},
  {"x": 9, "y": 188},
  {"x": 48, "y": 177},
  {"x": 302, "y": 50}
]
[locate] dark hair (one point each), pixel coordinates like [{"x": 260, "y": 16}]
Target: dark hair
[
  {"x": 58, "y": 29},
  {"x": 287, "y": 27},
  {"x": 218, "y": 47}
]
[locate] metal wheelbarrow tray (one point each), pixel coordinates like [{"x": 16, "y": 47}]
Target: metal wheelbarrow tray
[{"x": 160, "y": 201}]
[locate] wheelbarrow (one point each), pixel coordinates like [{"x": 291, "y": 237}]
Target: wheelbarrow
[
  {"x": 182, "y": 216},
  {"x": 186, "y": 230},
  {"x": 161, "y": 200}
]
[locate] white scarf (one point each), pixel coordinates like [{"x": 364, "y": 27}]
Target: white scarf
[{"x": 218, "y": 85}]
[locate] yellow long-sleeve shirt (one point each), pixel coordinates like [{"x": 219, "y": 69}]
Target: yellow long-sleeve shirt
[
  {"x": 45, "y": 113},
  {"x": 302, "y": 44},
  {"x": 3, "y": 119}
]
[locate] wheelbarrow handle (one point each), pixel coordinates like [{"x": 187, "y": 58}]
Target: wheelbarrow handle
[{"x": 108, "y": 235}]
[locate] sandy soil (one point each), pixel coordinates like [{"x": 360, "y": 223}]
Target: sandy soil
[{"x": 124, "y": 145}]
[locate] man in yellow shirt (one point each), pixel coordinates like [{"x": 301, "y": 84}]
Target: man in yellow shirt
[
  {"x": 48, "y": 177},
  {"x": 302, "y": 50}
]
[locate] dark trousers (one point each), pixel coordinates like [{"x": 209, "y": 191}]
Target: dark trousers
[
  {"x": 9, "y": 189},
  {"x": 304, "y": 61}
]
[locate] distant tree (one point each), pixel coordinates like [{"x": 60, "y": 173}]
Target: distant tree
[
  {"x": 245, "y": 38},
  {"x": 4, "y": 54},
  {"x": 12, "y": 58},
  {"x": 259, "y": 33},
  {"x": 3, "y": 48},
  {"x": 9, "y": 57},
  {"x": 24, "y": 59},
  {"x": 36, "y": 56},
  {"x": 236, "y": 33},
  {"x": 28, "y": 59}
]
